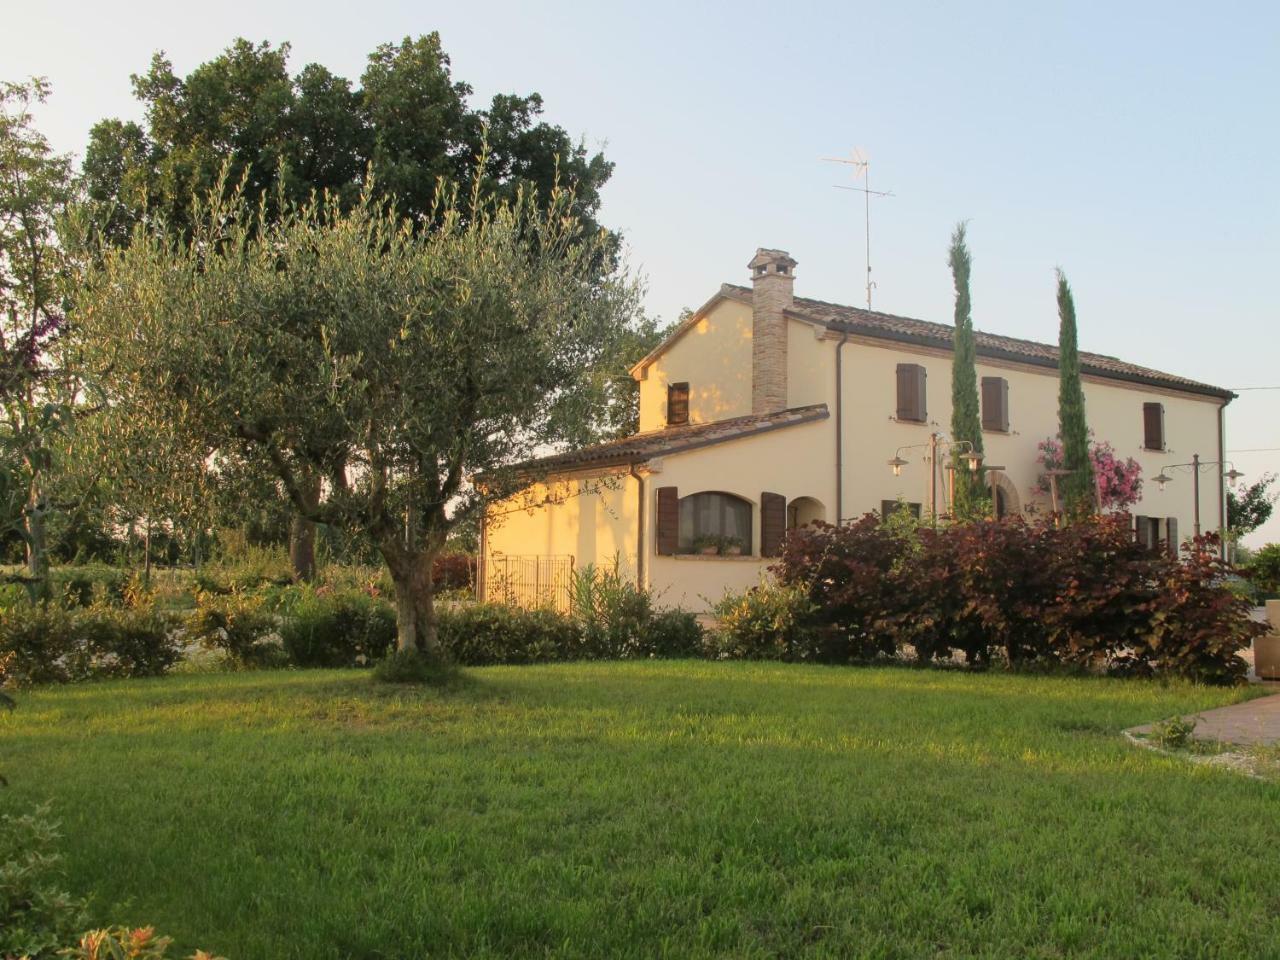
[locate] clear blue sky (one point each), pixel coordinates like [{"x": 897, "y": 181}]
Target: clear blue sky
[{"x": 1135, "y": 145}]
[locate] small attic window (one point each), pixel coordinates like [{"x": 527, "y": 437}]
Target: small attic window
[
  {"x": 781, "y": 268},
  {"x": 677, "y": 404},
  {"x": 760, "y": 270}
]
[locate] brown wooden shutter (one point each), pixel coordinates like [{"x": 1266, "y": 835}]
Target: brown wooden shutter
[
  {"x": 773, "y": 523},
  {"x": 668, "y": 539},
  {"x": 1171, "y": 533},
  {"x": 911, "y": 392},
  {"x": 677, "y": 404},
  {"x": 995, "y": 404},
  {"x": 1153, "y": 426},
  {"x": 1140, "y": 528},
  {"x": 887, "y": 507}
]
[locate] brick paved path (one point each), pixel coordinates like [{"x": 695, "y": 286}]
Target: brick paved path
[{"x": 1254, "y": 722}]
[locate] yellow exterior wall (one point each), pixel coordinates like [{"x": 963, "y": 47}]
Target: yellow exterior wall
[
  {"x": 795, "y": 461},
  {"x": 714, "y": 358},
  {"x": 1113, "y": 409},
  {"x": 810, "y": 366},
  {"x": 594, "y": 524},
  {"x": 589, "y": 518}
]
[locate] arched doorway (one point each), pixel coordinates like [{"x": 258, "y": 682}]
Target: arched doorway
[
  {"x": 803, "y": 511},
  {"x": 1008, "y": 503}
]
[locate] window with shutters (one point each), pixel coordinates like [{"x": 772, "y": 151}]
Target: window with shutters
[
  {"x": 1153, "y": 426},
  {"x": 677, "y": 404},
  {"x": 887, "y": 507},
  {"x": 912, "y": 406},
  {"x": 1152, "y": 531},
  {"x": 995, "y": 404},
  {"x": 713, "y": 517}
]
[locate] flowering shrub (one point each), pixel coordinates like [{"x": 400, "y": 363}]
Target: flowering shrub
[
  {"x": 1119, "y": 481},
  {"x": 125, "y": 943}
]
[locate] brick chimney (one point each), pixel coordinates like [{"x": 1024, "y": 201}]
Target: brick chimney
[{"x": 772, "y": 276}]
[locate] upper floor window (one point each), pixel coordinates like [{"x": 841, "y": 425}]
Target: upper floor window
[
  {"x": 1153, "y": 426},
  {"x": 995, "y": 404},
  {"x": 911, "y": 393},
  {"x": 677, "y": 404},
  {"x": 718, "y": 520}
]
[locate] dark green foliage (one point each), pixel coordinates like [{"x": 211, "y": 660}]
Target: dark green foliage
[
  {"x": 673, "y": 633},
  {"x": 409, "y": 123},
  {"x": 1263, "y": 569},
  {"x": 485, "y": 633},
  {"x": 1077, "y": 486},
  {"x": 1085, "y": 595},
  {"x": 323, "y": 628},
  {"x": 966, "y": 417},
  {"x": 624, "y": 627},
  {"x": 51, "y": 643},
  {"x": 238, "y": 623},
  {"x": 82, "y": 585},
  {"x": 37, "y": 918},
  {"x": 612, "y": 612},
  {"x": 1252, "y": 507}
]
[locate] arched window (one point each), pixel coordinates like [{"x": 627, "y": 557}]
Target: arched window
[{"x": 715, "y": 518}]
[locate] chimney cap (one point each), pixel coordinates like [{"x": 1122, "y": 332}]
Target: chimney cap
[{"x": 781, "y": 260}]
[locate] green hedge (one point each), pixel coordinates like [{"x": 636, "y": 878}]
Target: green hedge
[{"x": 58, "y": 644}]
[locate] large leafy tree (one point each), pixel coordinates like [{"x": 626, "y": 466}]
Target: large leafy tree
[
  {"x": 966, "y": 419},
  {"x": 283, "y": 138},
  {"x": 409, "y": 123},
  {"x": 38, "y": 389},
  {"x": 1077, "y": 485},
  {"x": 395, "y": 364},
  {"x": 1252, "y": 506}
]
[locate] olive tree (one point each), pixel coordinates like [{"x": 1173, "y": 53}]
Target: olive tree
[{"x": 393, "y": 363}]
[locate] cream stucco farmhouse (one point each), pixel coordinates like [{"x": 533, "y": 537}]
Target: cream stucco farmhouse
[{"x": 764, "y": 411}]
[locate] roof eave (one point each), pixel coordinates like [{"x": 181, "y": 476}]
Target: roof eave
[{"x": 1201, "y": 389}]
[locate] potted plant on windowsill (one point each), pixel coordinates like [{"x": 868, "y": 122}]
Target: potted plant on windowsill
[
  {"x": 731, "y": 546},
  {"x": 707, "y": 545}
]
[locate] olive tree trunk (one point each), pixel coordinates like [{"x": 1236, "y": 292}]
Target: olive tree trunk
[
  {"x": 37, "y": 539},
  {"x": 416, "y": 627},
  {"x": 302, "y": 534}
]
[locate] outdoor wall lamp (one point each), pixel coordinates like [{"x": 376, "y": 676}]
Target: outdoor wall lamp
[
  {"x": 1195, "y": 466},
  {"x": 938, "y": 444}
]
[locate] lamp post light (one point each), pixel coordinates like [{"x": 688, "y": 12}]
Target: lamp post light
[
  {"x": 1195, "y": 466},
  {"x": 937, "y": 443}
]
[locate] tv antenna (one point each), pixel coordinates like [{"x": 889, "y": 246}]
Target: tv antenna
[{"x": 862, "y": 170}]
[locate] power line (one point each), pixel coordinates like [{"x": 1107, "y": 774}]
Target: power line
[
  {"x": 1242, "y": 389},
  {"x": 1256, "y": 450}
]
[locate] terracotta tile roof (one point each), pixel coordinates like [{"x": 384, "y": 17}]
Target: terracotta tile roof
[
  {"x": 872, "y": 323},
  {"x": 670, "y": 440}
]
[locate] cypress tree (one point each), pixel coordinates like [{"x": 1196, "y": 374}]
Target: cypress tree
[
  {"x": 1077, "y": 486},
  {"x": 966, "y": 421}
]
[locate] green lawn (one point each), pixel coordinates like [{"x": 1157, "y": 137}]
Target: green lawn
[{"x": 651, "y": 809}]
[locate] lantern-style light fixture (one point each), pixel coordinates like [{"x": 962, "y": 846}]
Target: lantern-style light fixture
[
  {"x": 1233, "y": 475},
  {"x": 897, "y": 463},
  {"x": 974, "y": 460},
  {"x": 1161, "y": 479}
]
